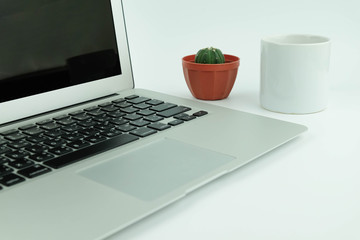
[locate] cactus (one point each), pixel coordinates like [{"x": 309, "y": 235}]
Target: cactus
[{"x": 209, "y": 56}]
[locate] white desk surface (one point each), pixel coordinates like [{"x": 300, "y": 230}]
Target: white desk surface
[{"x": 306, "y": 189}]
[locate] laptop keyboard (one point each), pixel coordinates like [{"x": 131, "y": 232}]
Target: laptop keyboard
[{"x": 42, "y": 147}]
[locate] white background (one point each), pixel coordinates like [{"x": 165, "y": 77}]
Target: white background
[{"x": 306, "y": 189}]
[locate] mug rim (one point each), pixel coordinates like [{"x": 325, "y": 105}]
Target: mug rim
[{"x": 296, "y": 39}]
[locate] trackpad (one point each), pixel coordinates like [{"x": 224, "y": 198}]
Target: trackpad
[{"x": 156, "y": 169}]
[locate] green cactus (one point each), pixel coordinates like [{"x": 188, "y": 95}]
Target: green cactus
[{"x": 209, "y": 56}]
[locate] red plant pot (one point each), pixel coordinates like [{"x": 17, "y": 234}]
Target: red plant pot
[{"x": 210, "y": 81}]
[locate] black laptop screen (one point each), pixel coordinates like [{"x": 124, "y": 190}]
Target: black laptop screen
[{"x": 50, "y": 44}]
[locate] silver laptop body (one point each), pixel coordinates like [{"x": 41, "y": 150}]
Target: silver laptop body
[{"x": 106, "y": 192}]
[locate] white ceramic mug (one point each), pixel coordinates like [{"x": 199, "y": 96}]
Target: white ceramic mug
[{"x": 294, "y": 73}]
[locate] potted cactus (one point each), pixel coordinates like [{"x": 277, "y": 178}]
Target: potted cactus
[{"x": 210, "y": 74}]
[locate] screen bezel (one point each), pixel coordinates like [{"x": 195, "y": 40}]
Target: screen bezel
[{"x": 52, "y": 100}]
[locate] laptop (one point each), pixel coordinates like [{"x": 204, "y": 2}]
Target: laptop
[{"x": 84, "y": 154}]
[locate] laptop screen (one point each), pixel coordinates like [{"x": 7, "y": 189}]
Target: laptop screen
[{"x": 51, "y": 44}]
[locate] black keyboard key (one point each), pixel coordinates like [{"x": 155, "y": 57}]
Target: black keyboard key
[
  {"x": 54, "y": 133},
  {"x": 200, "y": 113},
  {"x": 97, "y": 112},
  {"x": 62, "y": 150},
  {"x": 131, "y": 97},
  {"x": 56, "y": 142},
  {"x": 81, "y": 117},
  {"x": 185, "y": 117},
  {"x": 78, "y": 144},
  {"x": 4, "y": 149},
  {"x": 110, "y": 109},
  {"x": 20, "y": 164},
  {"x": 78, "y": 112},
  {"x": 90, "y": 151},
  {"x": 116, "y": 114},
  {"x": 159, "y": 126},
  {"x": 64, "y": 116},
  {"x": 34, "y": 171},
  {"x": 50, "y": 126},
  {"x": 8, "y": 132},
  {"x": 138, "y": 100},
  {"x": 105, "y": 104},
  {"x": 44, "y": 121},
  {"x": 142, "y": 106},
  {"x": 4, "y": 170},
  {"x": 15, "y": 136},
  {"x": 19, "y": 144},
  {"x": 87, "y": 123},
  {"x": 11, "y": 179},
  {"x": 163, "y": 107},
  {"x": 3, "y": 141},
  {"x": 143, "y": 132},
  {"x": 40, "y": 157},
  {"x": 66, "y": 121},
  {"x": 125, "y": 127},
  {"x": 140, "y": 123},
  {"x": 175, "y": 122},
  {"x": 72, "y": 128},
  {"x": 132, "y": 117},
  {"x": 95, "y": 138},
  {"x": 173, "y": 111},
  {"x": 119, "y": 121},
  {"x": 37, "y": 148},
  {"x": 153, "y": 118},
  {"x": 188, "y": 118},
  {"x": 129, "y": 110},
  {"x": 93, "y": 108},
  {"x": 111, "y": 133},
  {"x": 120, "y": 100},
  {"x": 3, "y": 160},
  {"x": 146, "y": 112},
  {"x": 89, "y": 131},
  {"x": 102, "y": 118},
  {"x": 27, "y": 126},
  {"x": 154, "y": 102},
  {"x": 37, "y": 139},
  {"x": 16, "y": 155},
  {"x": 73, "y": 136},
  {"x": 123, "y": 105},
  {"x": 33, "y": 131}
]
